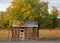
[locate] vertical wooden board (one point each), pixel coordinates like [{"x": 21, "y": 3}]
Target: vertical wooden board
[
  {"x": 29, "y": 33},
  {"x": 16, "y": 34},
  {"x": 34, "y": 33},
  {"x": 29, "y": 29},
  {"x": 13, "y": 33}
]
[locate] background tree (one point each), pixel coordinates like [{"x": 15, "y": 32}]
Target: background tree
[
  {"x": 44, "y": 19},
  {"x": 2, "y": 19},
  {"x": 54, "y": 14}
]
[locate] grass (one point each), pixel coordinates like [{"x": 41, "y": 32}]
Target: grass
[
  {"x": 5, "y": 34},
  {"x": 49, "y": 34}
]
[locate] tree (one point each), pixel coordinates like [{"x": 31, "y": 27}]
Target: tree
[
  {"x": 24, "y": 9},
  {"x": 54, "y": 11},
  {"x": 2, "y": 19},
  {"x": 44, "y": 19},
  {"x": 30, "y": 9},
  {"x": 54, "y": 14}
]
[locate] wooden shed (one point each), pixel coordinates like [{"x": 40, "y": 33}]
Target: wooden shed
[{"x": 27, "y": 31}]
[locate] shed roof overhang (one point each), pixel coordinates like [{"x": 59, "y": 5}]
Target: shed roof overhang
[{"x": 27, "y": 24}]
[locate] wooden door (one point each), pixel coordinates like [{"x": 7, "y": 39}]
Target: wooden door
[{"x": 22, "y": 34}]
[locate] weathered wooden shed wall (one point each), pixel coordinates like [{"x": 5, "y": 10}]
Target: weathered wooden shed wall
[
  {"x": 27, "y": 31},
  {"x": 30, "y": 33}
]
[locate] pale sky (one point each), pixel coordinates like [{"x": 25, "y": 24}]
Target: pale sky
[
  {"x": 55, "y": 3},
  {"x": 6, "y": 3}
]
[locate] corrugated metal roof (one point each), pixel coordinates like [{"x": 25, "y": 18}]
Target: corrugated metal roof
[{"x": 27, "y": 24}]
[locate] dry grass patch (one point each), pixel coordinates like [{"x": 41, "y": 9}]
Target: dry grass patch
[
  {"x": 5, "y": 34},
  {"x": 49, "y": 34}
]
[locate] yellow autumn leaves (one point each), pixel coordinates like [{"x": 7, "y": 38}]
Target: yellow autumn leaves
[
  {"x": 26, "y": 14},
  {"x": 22, "y": 10},
  {"x": 32, "y": 17},
  {"x": 54, "y": 11},
  {"x": 26, "y": 8},
  {"x": 17, "y": 22},
  {"x": 7, "y": 17}
]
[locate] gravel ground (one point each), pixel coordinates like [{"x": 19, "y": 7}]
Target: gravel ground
[{"x": 34, "y": 42}]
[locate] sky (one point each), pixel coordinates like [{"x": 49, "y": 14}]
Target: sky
[
  {"x": 55, "y": 3},
  {"x": 6, "y": 3}
]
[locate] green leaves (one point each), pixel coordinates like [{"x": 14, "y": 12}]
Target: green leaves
[{"x": 23, "y": 10}]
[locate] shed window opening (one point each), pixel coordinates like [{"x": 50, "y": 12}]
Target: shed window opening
[{"x": 22, "y": 30}]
